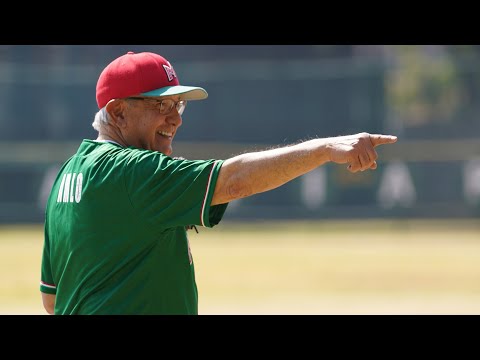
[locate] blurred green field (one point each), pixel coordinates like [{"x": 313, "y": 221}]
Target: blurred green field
[{"x": 324, "y": 267}]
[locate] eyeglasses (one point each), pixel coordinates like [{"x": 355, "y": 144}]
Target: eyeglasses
[{"x": 165, "y": 106}]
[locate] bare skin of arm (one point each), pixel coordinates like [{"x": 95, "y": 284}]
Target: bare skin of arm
[
  {"x": 252, "y": 173},
  {"x": 48, "y": 302}
]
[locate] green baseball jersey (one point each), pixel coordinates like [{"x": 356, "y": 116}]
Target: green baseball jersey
[{"x": 116, "y": 230}]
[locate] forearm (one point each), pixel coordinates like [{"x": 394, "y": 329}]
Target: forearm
[{"x": 257, "y": 172}]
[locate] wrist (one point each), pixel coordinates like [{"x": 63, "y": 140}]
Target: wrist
[{"x": 326, "y": 149}]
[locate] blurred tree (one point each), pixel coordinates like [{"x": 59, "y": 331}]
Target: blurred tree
[{"x": 423, "y": 84}]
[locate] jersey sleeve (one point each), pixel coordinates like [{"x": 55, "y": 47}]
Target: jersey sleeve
[
  {"x": 47, "y": 285},
  {"x": 169, "y": 192}
]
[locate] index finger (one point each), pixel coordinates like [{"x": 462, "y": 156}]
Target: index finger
[{"x": 379, "y": 139}]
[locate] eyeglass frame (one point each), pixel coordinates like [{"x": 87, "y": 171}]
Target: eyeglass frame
[{"x": 159, "y": 102}]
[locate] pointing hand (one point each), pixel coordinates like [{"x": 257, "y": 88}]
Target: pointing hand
[{"x": 358, "y": 150}]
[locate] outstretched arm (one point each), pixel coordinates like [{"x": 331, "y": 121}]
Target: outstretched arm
[{"x": 252, "y": 173}]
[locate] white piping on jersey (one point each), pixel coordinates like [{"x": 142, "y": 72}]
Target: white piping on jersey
[
  {"x": 47, "y": 285},
  {"x": 206, "y": 193}
]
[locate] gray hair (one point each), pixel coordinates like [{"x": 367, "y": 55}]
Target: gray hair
[{"x": 102, "y": 117}]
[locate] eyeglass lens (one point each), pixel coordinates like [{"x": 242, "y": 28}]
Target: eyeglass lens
[{"x": 167, "y": 105}]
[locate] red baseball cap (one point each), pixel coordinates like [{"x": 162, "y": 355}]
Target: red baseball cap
[{"x": 142, "y": 74}]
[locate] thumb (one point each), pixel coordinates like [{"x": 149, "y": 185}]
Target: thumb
[{"x": 378, "y": 139}]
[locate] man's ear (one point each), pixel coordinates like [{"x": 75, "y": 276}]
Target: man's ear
[{"x": 116, "y": 110}]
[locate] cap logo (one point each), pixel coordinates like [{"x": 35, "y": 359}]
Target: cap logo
[{"x": 170, "y": 72}]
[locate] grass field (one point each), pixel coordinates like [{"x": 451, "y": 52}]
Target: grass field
[{"x": 334, "y": 267}]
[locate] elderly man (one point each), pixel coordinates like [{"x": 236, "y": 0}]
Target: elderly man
[{"x": 119, "y": 210}]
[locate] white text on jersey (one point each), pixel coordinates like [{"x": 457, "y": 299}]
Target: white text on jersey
[{"x": 70, "y": 188}]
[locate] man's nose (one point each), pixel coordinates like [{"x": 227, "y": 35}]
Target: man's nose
[{"x": 174, "y": 118}]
